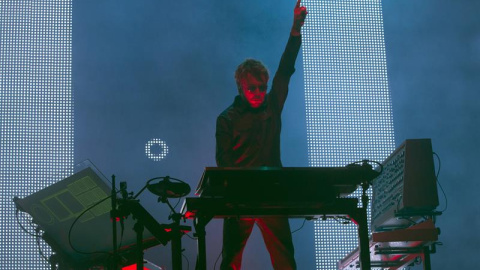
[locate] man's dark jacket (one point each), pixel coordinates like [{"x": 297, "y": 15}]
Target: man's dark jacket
[{"x": 248, "y": 137}]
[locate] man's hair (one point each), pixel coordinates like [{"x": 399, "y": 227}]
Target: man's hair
[{"x": 252, "y": 67}]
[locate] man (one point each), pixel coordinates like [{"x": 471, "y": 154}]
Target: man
[{"x": 248, "y": 135}]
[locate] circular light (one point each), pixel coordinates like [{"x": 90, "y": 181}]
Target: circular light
[{"x": 156, "y": 149}]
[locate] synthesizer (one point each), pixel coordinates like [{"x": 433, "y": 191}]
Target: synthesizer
[{"x": 406, "y": 189}]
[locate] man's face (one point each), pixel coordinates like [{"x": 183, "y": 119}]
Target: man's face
[{"x": 253, "y": 90}]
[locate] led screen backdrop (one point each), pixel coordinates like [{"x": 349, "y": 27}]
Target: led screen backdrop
[
  {"x": 151, "y": 76},
  {"x": 36, "y": 115},
  {"x": 348, "y": 107}
]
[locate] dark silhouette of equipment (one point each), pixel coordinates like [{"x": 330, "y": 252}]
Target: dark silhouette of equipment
[
  {"x": 79, "y": 217},
  {"x": 403, "y": 210},
  {"x": 291, "y": 192},
  {"x": 168, "y": 189}
]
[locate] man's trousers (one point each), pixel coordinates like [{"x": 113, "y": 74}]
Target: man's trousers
[{"x": 276, "y": 235}]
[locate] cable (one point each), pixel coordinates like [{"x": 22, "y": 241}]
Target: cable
[
  {"x": 345, "y": 220},
  {"x": 303, "y": 224},
  {"x": 146, "y": 185},
  {"x": 37, "y": 235},
  {"x": 177, "y": 203},
  {"x": 188, "y": 262},
  {"x": 37, "y": 239},
  {"x": 218, "y": 258},
  {"x": 193, "y": 238},
  {"x": 172, "y": 208},
  {"x": 21, "y": 225},
  {"x": 33, "y": 225},
  {"x": 75, "y": 221},
  {"x": 438, "y": 182}
]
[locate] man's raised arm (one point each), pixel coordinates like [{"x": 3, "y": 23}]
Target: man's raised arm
[
  {"x": 299, "y": 14},
  {"x": 286, "y": 66}
]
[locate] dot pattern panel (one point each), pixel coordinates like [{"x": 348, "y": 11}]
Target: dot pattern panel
[
  {"x": 348, "y": 106},
  {"x": 36, "y": 116}
]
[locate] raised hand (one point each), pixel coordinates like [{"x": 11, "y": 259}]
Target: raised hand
[{"x": 299, "y": 14}]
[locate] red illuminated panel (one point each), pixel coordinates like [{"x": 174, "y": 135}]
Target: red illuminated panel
[{"x": 133, "y": 267}]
